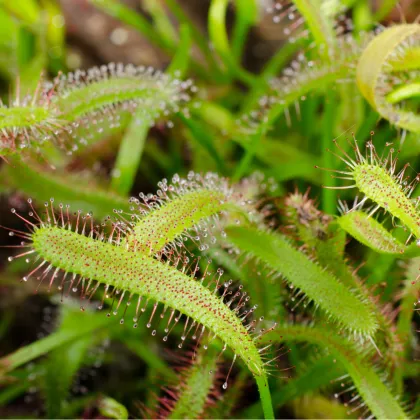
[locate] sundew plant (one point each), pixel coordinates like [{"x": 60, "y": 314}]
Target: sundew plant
[{"x": 209, "y": 209}]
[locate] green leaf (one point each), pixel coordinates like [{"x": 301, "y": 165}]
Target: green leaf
[
  {"x": 373, "y": 390},
  {"x": 84, "y": 326},
  {"x": 317, "y": 375},
  {"x": 63, "y": 364},
  {"x": 196, "y": 386},
  {"x": 112, "y": 409},
  {"x": 130, "y": 153},
  {"x": 376, "y": 58},
  {"x": 371, "y": 233},
  {"x": 348, "y": 310}
]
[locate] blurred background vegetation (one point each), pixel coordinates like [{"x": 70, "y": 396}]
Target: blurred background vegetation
[{"x": 232, "y": 53}]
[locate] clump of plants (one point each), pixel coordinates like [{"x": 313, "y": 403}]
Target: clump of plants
[{"x": 204, "y": 240}]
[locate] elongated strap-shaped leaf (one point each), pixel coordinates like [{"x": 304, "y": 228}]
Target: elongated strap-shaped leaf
[
  {"x": 410, "y": 298},
  {"x": 326, "y": 241},
  {"x": 112, "y": 409},
  {"x": 179, "y": 207},
  {"x": 386, "y": 190},
  {"x": 135, "y": 273},
  {"x": 390, "y": 50},
  {"x": 373, "y": 234},
  {"x": 111, "y": 260},
  {"x": 370, "y": 232},
  {"x": 371, "y": 387},
  {"x": 303, "y": 77},
  {"x": 195, "y": 388},
  {"x": 90, "y": 99},
  {"x": 153, "y": 232},
  {"x": 126, "y": 270},
  {"x": 350, "y": 311},
  {"x": 80, "y": 93},
  {"x": 377, "y": 178}
]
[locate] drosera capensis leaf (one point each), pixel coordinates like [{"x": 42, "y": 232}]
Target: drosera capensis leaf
[
  {"x": 104, "y": 262},
  {"x": 259, "y": 281},
  {"x": 371, "y": 387},
  {"x": 410, "y": 298},
  {"x": 231, "y": 398},
  {"x": 369, "y": 232},
  {"x": 112, "y": 409},
  {"x": 196, "y": 384},
  {"x": 302, "y": 77},
  {"x": 175, "y": 212},
  {"x": 107, "y": 258},
  {"x": 114, "y": 266},
  {"x": 378, "y": 179},
  {"x": 90, "y": 98},
  {"x": 350, "y": 311},
  {"x": 79, "y": 93},
  {"x": 186, "y": 212},
  {"x": 385, "y": 52},
  {"x": 326, "y": 242}
]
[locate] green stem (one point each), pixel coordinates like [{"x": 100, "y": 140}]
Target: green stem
[
  {"x": 45, "y": 345},
  {"x": 129, "y": 154},
  {"x": 181, "y": 59},
  {"x": 198, "y": 37},
  {"x": 219, "y": 37},
  {"x": 265, "y": 396},
  {"x": 246, "y": 15},
  {"x": 249, "y": 154},
  {"x": 329, "y": 196},
  {"x": 135, "y": 20},
  {"x": 162, "y": 24}
]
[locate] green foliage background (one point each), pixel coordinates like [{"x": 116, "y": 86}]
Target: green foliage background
[{"x": 337, "y": 362}]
